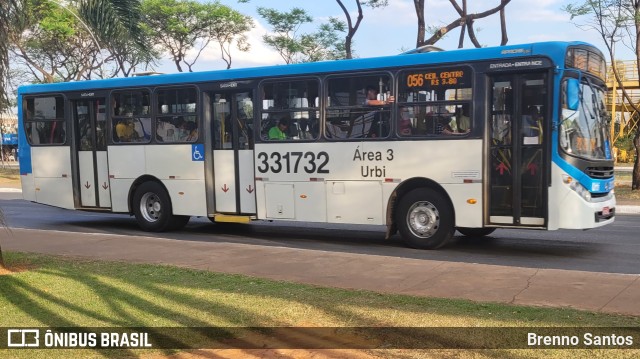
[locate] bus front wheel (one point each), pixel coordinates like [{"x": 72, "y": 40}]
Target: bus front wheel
[
  {"x": 152, "y": 208},
  {"x": 425, "y": 219},
  {"x": 475, "y": 232}
]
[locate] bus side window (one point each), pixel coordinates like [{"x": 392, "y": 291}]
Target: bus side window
[
  {"x": 177, "y": 119},
  {"x": 130, "y": 119},
  {"x": 295, "y": 101},
  {"x": 359, "y": 107},
  {"x": 438, "y": 100}
]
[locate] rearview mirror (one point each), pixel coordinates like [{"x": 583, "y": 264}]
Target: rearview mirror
[{"x": 573, "y": 94}]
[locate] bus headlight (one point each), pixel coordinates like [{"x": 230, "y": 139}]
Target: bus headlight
[{"x": 579, "y": 189}]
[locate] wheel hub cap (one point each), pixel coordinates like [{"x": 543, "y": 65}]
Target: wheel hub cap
[
  {"x": 150, "y": 207},
  {"x": 423, "y": 219}
]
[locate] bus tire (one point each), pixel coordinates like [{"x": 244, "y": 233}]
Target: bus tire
[
  {"x": 425, "y": 219},
  {"x": 475, "y": 232},
  {"x": 152, "y": 208}
]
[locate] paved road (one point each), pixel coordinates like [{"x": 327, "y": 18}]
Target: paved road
[
  {"x": 513, "y": 267},
  {"x": 612, "y": 249}
]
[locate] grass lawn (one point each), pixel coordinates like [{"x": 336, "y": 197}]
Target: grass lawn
[
  {"x": 625, "y": 193},
  {"x": 9, "y": 175},
  {"x": 56, "y": 291},
  {"x": 623, "y": 176},
  {"x": 623, "y": 188}
]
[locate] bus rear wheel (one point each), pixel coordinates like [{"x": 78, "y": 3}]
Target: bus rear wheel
[
  {"x": 425, "y": 219},
  {"x": 475, "y": 232},
  {"x": 153, "y": 211}
]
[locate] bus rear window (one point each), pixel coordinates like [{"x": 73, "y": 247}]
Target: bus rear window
[{"x": 44, "y": 120}]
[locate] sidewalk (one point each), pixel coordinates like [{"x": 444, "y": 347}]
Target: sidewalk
[{"x": 600, "y": 292}]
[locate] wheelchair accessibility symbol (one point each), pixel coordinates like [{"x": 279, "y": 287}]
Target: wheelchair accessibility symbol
[{"x": 197, "y": 152}]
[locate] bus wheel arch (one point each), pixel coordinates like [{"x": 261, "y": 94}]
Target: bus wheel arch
[
  {"x": 427, "y": 199},
  {"x": 150, "y": 203}
]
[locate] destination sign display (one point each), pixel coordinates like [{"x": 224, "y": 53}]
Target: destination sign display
[{"x": 434, "y": 78}]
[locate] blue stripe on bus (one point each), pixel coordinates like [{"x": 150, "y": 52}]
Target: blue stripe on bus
[
  {"x": 24, "y": 149},
  {"x": 593, "y": 185},
  {"x": 555, "y": 50}
]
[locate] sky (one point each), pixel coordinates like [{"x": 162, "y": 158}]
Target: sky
[{"x": 393, "y": 29}]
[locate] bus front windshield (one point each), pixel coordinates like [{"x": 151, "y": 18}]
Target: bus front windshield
[{"x": 584, "y": 132}]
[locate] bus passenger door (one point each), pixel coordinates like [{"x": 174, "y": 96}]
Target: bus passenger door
[
  {"x": 517, "y": 166},
  {"x": 93, "y": 172},
  {"x": 234, "y": 181}
]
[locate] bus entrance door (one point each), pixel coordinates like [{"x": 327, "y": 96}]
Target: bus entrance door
[
  {"x": 234, "y": 181},
  {"x": 91, "y": 153},
  {"x": 517, "y": 166}
]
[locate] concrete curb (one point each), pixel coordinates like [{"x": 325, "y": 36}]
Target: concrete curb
[
  {"x": 623, "y": 209},
  {"x": 10, "y": 190}
]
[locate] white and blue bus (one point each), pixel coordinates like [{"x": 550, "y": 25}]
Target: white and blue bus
[{"x": 424, "y": 143}]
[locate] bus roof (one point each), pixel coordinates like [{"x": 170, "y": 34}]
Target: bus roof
[{"x": 554, "y": 50}]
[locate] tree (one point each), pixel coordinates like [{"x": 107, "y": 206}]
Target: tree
[
  {"x": 128, "y": 57},
  {"x": 180, "y": 26},
  {"x": 353, "y": 27},
  {"x": 286, "y": 25},
  {"x": 419, "y": 5},
  {"x": 230, "y": 27},
  {"x": 9, "y": 10},
  {"x": 52, "y": 43},
  {"x": 73, "y": 36},
  {"x": 98, "y": 14},
  {"x": 117, "y": 25},
  {"x": 325, "y": 44},
  {"x": 465, "y": 21},
  {"x": 295, "y": 47},
  {"x": 55, "y": 44},
  {"x": 617, "y": 22}
]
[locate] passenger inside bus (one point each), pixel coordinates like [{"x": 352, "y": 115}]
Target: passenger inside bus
[
  {"x": 189, "y": 131},
  {"x": 462, "y": 120},
  {"x": 443, "y": 127},
  {"x": 125, "y": 131},
  {"x": 374, "y": 100},
  {"x": 378, "y": 126},
  {"x": 279, "y": 132},
  {"x": 405, "y": 128}
]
